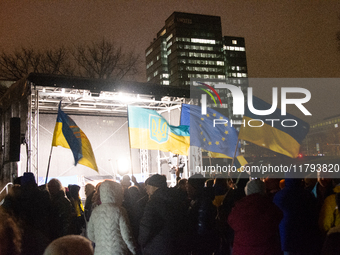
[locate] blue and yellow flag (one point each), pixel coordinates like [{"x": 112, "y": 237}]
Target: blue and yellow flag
[
  {"x": 272, "y": 134},
  {"x": 149, "y": 130},
  {"x": 68, "y": 135},
  {"x": 211, "y": 132}
]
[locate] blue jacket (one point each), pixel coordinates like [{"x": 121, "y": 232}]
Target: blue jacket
[{"x": 299, "y": 226}]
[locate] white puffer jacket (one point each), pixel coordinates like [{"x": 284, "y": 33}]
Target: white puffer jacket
[{"x": 108, "y": 227}]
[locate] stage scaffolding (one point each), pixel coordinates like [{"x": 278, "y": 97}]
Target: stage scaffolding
[{"x": 88, "y": 97}]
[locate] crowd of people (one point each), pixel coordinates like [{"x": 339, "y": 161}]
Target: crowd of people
[{"x": 199, "y": 216}]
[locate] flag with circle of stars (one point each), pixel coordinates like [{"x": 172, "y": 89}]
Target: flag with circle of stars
[{"x": 215, "y": 136}]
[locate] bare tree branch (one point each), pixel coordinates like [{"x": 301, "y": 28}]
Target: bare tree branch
[
  {"x": 104, "y": 60},
  {"x": 101, "y": 59}
]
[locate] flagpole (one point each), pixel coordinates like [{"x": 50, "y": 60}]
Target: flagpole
[
  {"x": 127, "y": 109},
  {"x": 233, "y": 160},
  {"x": 48, "y": 166}
]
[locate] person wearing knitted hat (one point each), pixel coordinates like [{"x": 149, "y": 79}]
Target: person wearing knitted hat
[
  {"x": 155, "y": 182},
  {"x": 255, "y": 218},
  {"x": 255, "y": 186},
  {"x": 159, "y": 226}
]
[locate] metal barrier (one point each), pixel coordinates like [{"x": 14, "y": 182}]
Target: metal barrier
[{"x": 5, "y": 188}]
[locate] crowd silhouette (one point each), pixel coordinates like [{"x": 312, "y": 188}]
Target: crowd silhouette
[{"x": 199, "y": 216}]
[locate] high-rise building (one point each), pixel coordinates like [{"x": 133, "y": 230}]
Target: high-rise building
[
  {"x": 188, "y": 46},
  {"x": 191, "y": 47},
  {"x": 235, "y": 61}
]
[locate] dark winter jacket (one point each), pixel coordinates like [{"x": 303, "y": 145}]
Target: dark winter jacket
[
  {"x": 255, "y": 220},
  {"x": 62, "y": 214},
  {"x": 298, "y": 228},
  {"x": 161, "y": 224},
  {"x": 202, "y": 216}
]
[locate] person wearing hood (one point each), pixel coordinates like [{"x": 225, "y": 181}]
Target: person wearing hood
[
  {"x": 109, "y": 227},
  {"x": 298, "y": 229}
]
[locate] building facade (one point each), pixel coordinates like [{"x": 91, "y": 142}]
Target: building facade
[
  {"x": 323, "y": 138},
  {"x": 191, "y": 47}
]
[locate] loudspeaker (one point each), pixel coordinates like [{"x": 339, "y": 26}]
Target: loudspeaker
[{"x": 14, "y": 140}]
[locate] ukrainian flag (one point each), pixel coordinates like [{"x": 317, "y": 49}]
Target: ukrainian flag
[
  {"x": 284, "y": 140},
  {"x": 68, "y": 135},
  {"x": 149, "y": 130}
]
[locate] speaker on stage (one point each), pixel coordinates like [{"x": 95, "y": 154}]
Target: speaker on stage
[{"x": 14, "y": 140}]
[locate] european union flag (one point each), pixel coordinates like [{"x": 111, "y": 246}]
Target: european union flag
[
  {"x": 211, "y": 132},
  {"x": 68, "y": 135}
]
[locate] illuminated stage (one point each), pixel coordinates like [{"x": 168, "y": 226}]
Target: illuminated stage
[{"x": 99, "y": 107}]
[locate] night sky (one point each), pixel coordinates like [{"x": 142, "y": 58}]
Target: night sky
[{"x": 284, "y": 39}]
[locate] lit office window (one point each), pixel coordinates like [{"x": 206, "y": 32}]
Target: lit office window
[
  {"x": 163, "y": 32},
  {"x": 155, "y": 73},
  {"x": 206, "y": 41},
  {"x": 220, "y": 63},
  {"x": 169, "y": 44},
  {"x": 242, "y": 49},
  {"x": 148, "y": 52},
  {"x": 195, "y": 47},
  {"x": 150, "y": 64},
  {"x": 234, "y": 41},
  {"x": 203, "y": 55},
  {"x": 169, "y": 37},
  {"x": 166, "y": 83},
  {"x": 244, "y": 75},
  {"x": 221, "y": 77}
]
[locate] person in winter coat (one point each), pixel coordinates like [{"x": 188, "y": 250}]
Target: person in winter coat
[
  {"x": 329, "y": 215},
  {"x": 89, "y": 192},
  {"x": 202, "y": 215},
  {"x": 63, "y": 211},
  {"x": 331, "y": 246},
  {"x": 109, "y": 227},
  {"x": 298, "y": 228},
  {"x": 35, "y": 216},
  {"x": 79, "y": 223},
  {"x": 255, "y": 220},
  {"x": 162, "y": 221},
  {"x": 10, "y": 235}
]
